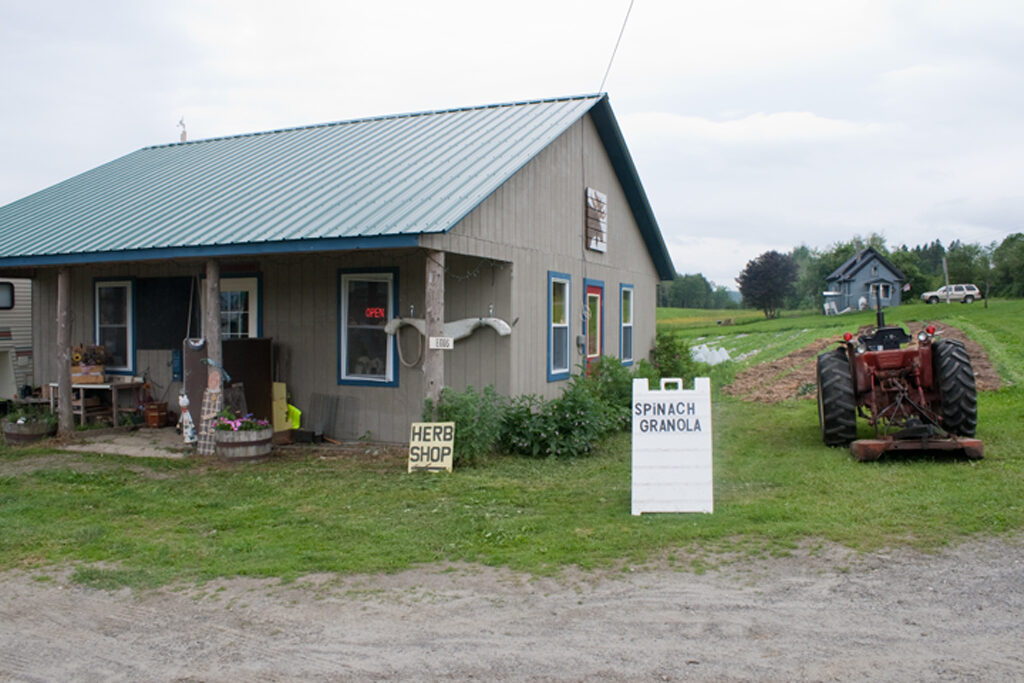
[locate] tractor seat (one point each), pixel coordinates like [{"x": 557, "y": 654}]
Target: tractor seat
[{"x": 885, "y": 339}]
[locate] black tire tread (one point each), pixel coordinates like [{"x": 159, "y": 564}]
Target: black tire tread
[
  {"x": 837, "y": 405},
  {"x": 959, "y": 395}
]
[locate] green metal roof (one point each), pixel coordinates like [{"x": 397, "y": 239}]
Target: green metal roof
[{"x": 364, "y": 183}]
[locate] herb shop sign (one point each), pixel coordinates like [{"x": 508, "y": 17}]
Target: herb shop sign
[{"x": 431, "y": 446}]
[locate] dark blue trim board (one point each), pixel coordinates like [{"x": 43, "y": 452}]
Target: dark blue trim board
[{"x": 209, "y": 251}]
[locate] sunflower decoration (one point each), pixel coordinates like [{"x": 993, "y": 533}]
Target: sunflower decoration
[{"x": 88, "y": 354}]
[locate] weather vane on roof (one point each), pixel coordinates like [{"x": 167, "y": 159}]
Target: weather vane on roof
[{"x": 184, "y": 133}]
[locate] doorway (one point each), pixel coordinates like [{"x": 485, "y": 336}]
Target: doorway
[{"x": 594, "y": 328}]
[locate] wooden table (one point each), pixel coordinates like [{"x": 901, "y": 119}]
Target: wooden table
[{"x": 83, "y": 411}]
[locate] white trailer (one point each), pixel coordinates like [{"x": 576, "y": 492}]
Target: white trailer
[{"x": 16, "y": 367}]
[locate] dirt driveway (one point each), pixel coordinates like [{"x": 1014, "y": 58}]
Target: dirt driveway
[{"x": 833, "y": 615}]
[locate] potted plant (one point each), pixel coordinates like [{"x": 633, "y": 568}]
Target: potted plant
[
  {"x": 27, "y": 424},
  {"x": 241, "y": 438}
]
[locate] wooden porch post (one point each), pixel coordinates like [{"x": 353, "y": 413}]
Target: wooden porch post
[
  {"x": 212, "y": 397},
  {"x": 65, "y": 418},
  {"x": 214, "y": 351},
  {"x": 433, "y": 359}
]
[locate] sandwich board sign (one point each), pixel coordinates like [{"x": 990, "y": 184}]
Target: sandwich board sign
[{"x": 671, "y": 468}]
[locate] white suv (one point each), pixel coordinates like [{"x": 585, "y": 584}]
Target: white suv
[{"x": 962, "y": 293}]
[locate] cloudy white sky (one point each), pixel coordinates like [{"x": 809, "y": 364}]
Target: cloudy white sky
[{"x": 754, "y": 125}]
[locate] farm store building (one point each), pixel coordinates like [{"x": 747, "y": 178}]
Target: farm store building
[{"x": 523, "y": 226}]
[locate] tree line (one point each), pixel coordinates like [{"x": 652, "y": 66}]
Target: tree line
[
  {"x": 694, "y": 291},
  {"x": 775, "y": 281}
]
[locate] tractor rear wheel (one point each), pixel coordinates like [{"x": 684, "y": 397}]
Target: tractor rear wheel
[
  {"x": 955, "y": 377},
  {"x": 837, "y": 406}
]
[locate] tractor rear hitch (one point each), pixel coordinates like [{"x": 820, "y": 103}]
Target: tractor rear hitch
[{"x": 872, "y": 449}]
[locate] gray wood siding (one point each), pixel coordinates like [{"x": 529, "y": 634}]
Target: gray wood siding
[{"x": 536, "y": 222}]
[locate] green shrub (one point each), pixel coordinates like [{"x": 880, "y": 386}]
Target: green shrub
[
  {"x": 521, "y": 430},
  {"x": 593, "y": 404},
  {"x": 567, "y": 426},
  {"x": 477, "y": 417},
  {"x": 31, "y": 414},
  {"x": 609, "y": 380},
  {"x": 671, "y": 356},
  {"x": 611, "y": 383},
  {"x": 645, "y": 369}
]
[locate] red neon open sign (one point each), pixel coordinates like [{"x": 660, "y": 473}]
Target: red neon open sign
[{"x": 375, "y": 313}]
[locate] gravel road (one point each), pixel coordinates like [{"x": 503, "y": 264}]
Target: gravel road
[{"x": 831, "y": 615}]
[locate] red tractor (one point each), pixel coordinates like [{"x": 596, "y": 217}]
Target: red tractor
[{"x": 919, "y": 395}]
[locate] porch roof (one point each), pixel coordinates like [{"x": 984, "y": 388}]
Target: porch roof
[{"x": 366, "y": 183}]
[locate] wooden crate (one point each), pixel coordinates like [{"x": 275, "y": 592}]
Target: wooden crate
[
  {"x": 155, "y": 414},
  {"x": 87, "y": 374}
]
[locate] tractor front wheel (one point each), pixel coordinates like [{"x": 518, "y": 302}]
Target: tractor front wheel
[
  {"x": 837, "y": 406},
  {"x": 955, "y": 378}
]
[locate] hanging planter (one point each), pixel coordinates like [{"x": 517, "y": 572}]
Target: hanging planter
[{"x": 241, "y": 438}]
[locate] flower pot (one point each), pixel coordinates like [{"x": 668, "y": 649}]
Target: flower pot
[
  {"x": 243, "y": 445},
  {"x": 29, "y": 432}
]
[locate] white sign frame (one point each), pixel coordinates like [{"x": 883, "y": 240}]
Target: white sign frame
[
  {"x": 672, "y": 447},
  {"x": 431, "y": 446},
  {"x": 441, "y": 343}
]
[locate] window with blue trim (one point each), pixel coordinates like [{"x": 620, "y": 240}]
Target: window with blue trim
[
  {"x": 115, "y": 324},
  {"x": 626, "y": 325},
  {"x": 559, "y": 350},
  {"x": 367, "y": 351}
]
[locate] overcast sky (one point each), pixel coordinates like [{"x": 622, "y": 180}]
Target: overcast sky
[{"x": 754, "y": 124}]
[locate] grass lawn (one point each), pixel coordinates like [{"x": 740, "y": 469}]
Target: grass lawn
[{"x": 122, "y": 521}]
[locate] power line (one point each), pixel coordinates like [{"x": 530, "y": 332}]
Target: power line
[{"x": 610, "y": 61}]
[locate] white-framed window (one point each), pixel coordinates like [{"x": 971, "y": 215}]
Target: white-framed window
[
  {"x": 115, "y": 323},
  {"x": 239, "y": 307},
  {"x": 559, "y": 312},
  {"x": 881, "y": 289},
  {"x": 626, "y": 322},
  {"x": 366, "y": 353}
]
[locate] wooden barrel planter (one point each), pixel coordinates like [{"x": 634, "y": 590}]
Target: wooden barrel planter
[
  {"x": 20, "y": 434},
  {"x": 243, "y": 445}
]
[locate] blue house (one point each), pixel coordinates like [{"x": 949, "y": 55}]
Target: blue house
[{"x": 864, "y": 279}]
